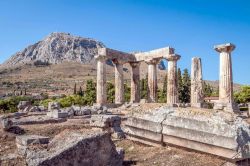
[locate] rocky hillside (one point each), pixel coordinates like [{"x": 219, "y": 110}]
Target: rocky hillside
[{"x": 57, "y": 48}]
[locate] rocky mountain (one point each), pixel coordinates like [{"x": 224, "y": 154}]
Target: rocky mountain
[{"x": 57, "y": 48}]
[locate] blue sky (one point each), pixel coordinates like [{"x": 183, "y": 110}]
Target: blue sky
[{"x": 192, "y": 27}]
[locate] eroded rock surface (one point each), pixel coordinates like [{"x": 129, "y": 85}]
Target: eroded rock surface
[
  {"x": 76, "y": 148},
  {"x": 57, "y": 48}
]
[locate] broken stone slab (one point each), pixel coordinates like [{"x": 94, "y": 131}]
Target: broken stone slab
[
  {"x": 22, "y": 142},
  {"x": 215, "y": 132},
  {"x": 82, "y": 111},
  {"x": 148, "y": 126},
  {"x": 37, "y": 119},
  {"x": 76, "y": 148},
  {"x": 57, "y": 114},
  {"x": 105, "y": 121},
  {"x": 23, "y": 104},
  {"x": 31, "y": 139},
  {"x": 110, "y": 123},
  {"x": 53, "y": 106},
  {"x": 6, "y": 123}
]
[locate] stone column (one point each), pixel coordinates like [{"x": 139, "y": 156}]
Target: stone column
[
  {"x": 119, "y": 82},
  {"x": 197, "y": 97},
  {"x": 152, "y": 79},
  {"x": 172, "y": 90},
  {"x": 135, "y": 82},
  {"x": 226, "y": 78},
  {"x": 101, "y": 96}
]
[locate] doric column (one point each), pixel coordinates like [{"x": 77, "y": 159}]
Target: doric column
[
  {"x": 101, "y": 96},
  {"x": 152, "y": 79},
  {"x": 119, "y": 82},
  {"x": 135, "y": 82},
  {"x": 172, "y": 90},
  {"x": 197, "y": 97},
  {"x": 226, "y": 78}
]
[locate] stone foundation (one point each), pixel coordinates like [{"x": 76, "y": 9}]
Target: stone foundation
[{"x": 214, "y": 132}]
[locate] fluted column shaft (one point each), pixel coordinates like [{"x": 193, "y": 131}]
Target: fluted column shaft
[
  {"x": 226, "y": 78},
  {"x": 119, "y": 83},
  {"x": 172, "y": 94},
  {"x": 226, "y": 101},
  {"x": 152, "y": 80},
  {"x": 172, "y": 90},
  {"x": 101, "y": 96},
  {"x": 135, "y": 82},
  {"x": 197, "y": 97}
]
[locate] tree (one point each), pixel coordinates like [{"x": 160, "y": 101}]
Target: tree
[
  {"x": 144, "y": 87},
  {"x": 75, "y": 89},
  {"x": 185, "y": 87},
  {"x": 127, "y": 91},
  {"x": 90, "y": 93},
  {"x": 162, "y": 94},
  {"x": 179, "y": 82},
  {"x": 243, "y": 96},
  {"x": 207, "y": 89},
  {"x": 110, "y": 92},
  {"x": 80, "y": 92}
]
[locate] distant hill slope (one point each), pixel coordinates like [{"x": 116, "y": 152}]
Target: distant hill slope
[{"x": 57, "y": 48}]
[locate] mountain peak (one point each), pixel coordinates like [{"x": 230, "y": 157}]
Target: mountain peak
[{"x": 57, "y": 47}]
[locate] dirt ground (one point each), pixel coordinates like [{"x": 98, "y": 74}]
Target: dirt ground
[{"x": 135, "y": 153}]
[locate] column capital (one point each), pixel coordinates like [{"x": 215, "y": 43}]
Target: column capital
[
  {"x": 100, "y": 58},
  {"x": 228, "y": 47},
  {"x": 173, "y": 57},
  {"x": 153, "y": 61},
  {"x": 117, "y": 61},
  {"x": 134, "y": 64}
]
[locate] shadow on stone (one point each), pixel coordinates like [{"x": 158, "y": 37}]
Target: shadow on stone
[
  {"x": 129, "y": 163},
  {"x": 16, "y": 130}
]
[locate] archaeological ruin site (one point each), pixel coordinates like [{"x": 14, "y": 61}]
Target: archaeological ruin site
[{"x": 96, "y": 135}]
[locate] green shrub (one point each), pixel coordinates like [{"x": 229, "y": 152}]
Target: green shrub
[{"x": 10, "y": 104}]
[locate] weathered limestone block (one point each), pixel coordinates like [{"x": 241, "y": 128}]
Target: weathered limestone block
[
  {"x": 57, "y": 114},
  {"x": 226, "y": 78},
  {"x": 22, "y": 142},
  {"x": 31, "y": 139},
  {"x": 135, "y": 82},
  {"x": 110, "y": 123},
  {"x": 23, "y": 104},
  {"x": 73, "y": 148},
  {"x": 53, "y": 106},
  {"x": 147, "y": 127},
  {"x": 157, "y": 53},
  {"x": 197, "y": 97},
  {"x": 172, "y": 90},
  {"x": 214, "y": 132},
  {"x": 6, "y": 123}
]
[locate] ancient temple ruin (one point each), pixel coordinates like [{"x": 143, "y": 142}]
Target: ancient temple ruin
[
  {"x": 219, "y": 131},
  {"x": 152, "y": 58}
]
